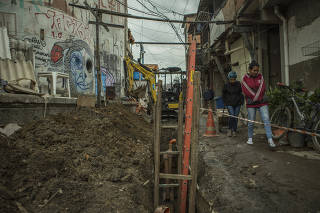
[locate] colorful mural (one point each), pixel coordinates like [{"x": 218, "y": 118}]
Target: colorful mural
[{"x": 76, "y": 58}]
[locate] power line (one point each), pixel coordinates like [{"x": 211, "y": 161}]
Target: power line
[
  {"x": 164, "y": 43},
  {"x": 135, "y": 9},
  {"x": 185, "y": 7},
  {"x": 152, "y": 29},
  {"x": 173, "y": 27},
  {"x": 147, "y": 18},
  {"x": 167, "y": 9},
  {"x": 160, "y": 15}
]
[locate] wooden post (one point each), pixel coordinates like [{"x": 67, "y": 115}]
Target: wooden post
[
  {"x": 194, "y": 142},
  {"x": 156, "y": 145},
  {"x": 180, "y": 138},
  {"x": 98, "y": 20}
]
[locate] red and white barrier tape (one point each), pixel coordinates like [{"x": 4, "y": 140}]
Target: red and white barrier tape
[{"x": 273, "y": 125}]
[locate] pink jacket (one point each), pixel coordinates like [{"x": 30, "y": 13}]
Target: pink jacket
[{"x": 254, "y": 90}]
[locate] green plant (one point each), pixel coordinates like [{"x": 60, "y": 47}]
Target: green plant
[
  {"x": 276, "y": 97},
  {"x": 279, "y": 96}
]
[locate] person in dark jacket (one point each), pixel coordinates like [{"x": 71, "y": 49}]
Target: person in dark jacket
[{"x": 233, "y": 99}]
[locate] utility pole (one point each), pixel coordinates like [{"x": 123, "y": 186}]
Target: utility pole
[
  {"x": 98, "y": 19},
  {"x": 142, "y": 52},
  {"x": 98, "y": 15}
]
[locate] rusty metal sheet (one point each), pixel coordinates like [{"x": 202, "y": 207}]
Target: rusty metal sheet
[
  {"x": 4, "y": 43},
  {"x": 153, "y": 67}
]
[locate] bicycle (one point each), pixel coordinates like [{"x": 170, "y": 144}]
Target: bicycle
[{"x": 282, "y": 116}]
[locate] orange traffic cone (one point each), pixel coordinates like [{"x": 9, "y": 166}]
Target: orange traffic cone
[{"x": 211, "y": 129}]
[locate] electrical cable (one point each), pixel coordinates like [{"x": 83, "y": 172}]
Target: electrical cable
[
  {"x": 135, "y": 9},
  {"x": 167, "y": 9},
  {"x": 185, "y": 7},
  {"x": 153, "y": 29},
  {"x": 165, "y": 17}
]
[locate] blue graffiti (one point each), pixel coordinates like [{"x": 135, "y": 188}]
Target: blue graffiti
[
  {"x": 78, "y": 73},
  {"x": 74, "y": 57}
]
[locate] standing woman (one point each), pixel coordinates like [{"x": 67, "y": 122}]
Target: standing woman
[
  {"x": 232, "y": 99},
  {"x": 254, "y": 87}
]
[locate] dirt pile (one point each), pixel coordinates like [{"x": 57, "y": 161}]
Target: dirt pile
[{"x": 86, "y": 161}]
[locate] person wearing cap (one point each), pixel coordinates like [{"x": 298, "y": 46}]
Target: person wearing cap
[
  {"x": 254, "y": 88},
  {"x": 232, "y": 99}
]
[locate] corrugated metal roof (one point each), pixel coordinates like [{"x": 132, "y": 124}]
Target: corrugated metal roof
[
  {"x": 4, "y": 43},
  {"x": 16, "y": 69}
]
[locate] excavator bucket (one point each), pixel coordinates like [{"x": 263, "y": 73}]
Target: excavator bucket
[{"x": 140, "y": 92}]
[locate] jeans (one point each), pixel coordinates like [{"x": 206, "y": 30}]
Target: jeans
[
  {"x": 233, "y": 122},
  {"x": 264, "y": 113}
]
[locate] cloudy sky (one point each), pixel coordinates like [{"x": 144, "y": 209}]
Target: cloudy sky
[{"x": 144, "y": 30}]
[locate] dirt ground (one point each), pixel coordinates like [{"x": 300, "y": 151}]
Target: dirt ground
[
  {"x": 86, "y": 161},
  {"x": 236, "y": 177}
]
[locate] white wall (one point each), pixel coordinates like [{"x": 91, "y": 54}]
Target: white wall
[
  {"x": 242, "y": 56},
  {"x": 300, "y": 37},
  {"x": 216, "y": 29},
  {"x": 68, "y": 44}
]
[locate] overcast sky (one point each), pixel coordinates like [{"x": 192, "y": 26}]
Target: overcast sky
[{"x": 144, "y": 30}]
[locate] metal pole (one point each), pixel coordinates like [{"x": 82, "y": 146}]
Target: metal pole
[
  {"x": 161, "y": 43},
  {"x": 188, "y": 124},
  {"x": 165, "y": 81},
  {"x": 98, "y": 19}
]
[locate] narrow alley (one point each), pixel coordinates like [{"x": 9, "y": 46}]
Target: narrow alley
[{"x": 145, "y": 106}]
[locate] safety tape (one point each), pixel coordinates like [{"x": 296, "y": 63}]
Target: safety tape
[{"x": 273, "y": 125}]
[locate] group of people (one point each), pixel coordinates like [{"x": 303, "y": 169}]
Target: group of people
[{"x": 252, "y": 88}]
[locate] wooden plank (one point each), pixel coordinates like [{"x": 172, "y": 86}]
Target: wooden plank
[
  {"x": 194, "y": 142},
  {"x": 175, "y": 176},
  {"x": 170, "y": 185},
  {"x": 169, "y": 127},
  {"x": 179, "y": 142},
  {"x": 156, "y": 145},
  {"x": 170, "y": 153}
]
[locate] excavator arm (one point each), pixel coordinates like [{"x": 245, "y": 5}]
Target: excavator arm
[{"x": 148, "y": 75}]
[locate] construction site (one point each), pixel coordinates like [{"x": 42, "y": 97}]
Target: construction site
[{"x": 150, "y": 106}]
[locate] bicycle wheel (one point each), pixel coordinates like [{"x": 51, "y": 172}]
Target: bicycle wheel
[
  {"x": 281, "y": 117},
  {"x": 315, "y": 139}
]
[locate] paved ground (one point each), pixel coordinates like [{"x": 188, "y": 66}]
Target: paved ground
[{"x": 236, "y": 177}]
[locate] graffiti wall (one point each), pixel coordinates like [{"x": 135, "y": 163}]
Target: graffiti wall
[{"x": 63, "y": 41}]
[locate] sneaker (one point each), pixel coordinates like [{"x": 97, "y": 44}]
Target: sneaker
[
  {"x": 271, "y": 143},
  {"x": 250, "y": 142},
  {"x": 234, "y": 134},
  {"x": 229, "y": 133}
]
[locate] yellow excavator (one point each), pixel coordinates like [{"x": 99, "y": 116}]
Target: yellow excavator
[
  {"x": 169, "y": 100},
  {"x": 132, "y": 66}
]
